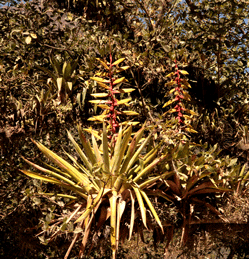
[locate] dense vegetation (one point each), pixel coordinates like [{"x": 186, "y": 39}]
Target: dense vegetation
[{"x": 140, "y": 109}]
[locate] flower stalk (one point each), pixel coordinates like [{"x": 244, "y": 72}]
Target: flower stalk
[{"x": 180, "y": 87}]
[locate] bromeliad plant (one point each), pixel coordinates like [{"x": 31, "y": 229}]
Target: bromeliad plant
[
  {"x": 198, "y": 177},
  {"x": 63, "y": 78},
  {"x": 111, "y": 180}
]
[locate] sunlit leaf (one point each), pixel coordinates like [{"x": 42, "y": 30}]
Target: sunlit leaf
[
  {"x": 103, "y": 85},
  {"x": 28, "y": 40},
  {"x": 124, "y": 101},
  {"x": 80, "y": 152},
  {"x": 119, "y": 80},
  {"x": 100, "y": 95},
  {"x": 98, "y": 101},
  {"x": 132, "y": 213},
  {"x": 141, "y": 205},
  {"x": 103, "y": 63},
  {"x": 105, "y": 150},
  {"x": 191, "y": 130},
  {"x": 33, "y": 35},
  {"x": 152, "y": 209},
  {"x": 118, "y": 61},
  {"x": 169, "y": 102},
  {"x": 170, "y": 74},
  {"x": 99, "y": 79},
  {"x": 121, "y": 69},
  {"x": 130, "y": 113},
  {"x": 183, "y": 72}
]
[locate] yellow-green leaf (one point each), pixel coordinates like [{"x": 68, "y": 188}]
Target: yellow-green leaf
[
  {"x": 46, "y": 171},
  {"x": 172, "y": 82},
  {"x": 169, "y": 102},
  {"x": 116, "y": 155},
  {"x": 100, "y": 118},
  {"x": 80, "y": 152},
  {"x": 96, "y": 150},
  {"x": 170, "y": 74},
  {"x": 154, "y": 179},
  {"x": 183, "y": 72},
  {"x": 130, "y": 123},
  {"x": 149, "y": 168},
  {"x": 103, "y": 63},
  {"x": 119, "y": 80},
  {"x": 191, "y": 112},
  {"x": 132, "y": 213},
  {"x": 120, "y": 210},
  {"x": 105, "y": 150},
  {"x": 91, "y": 207},
  {"x": 98, "y": 101},
  {"x": 63, "y": 164},
  {"x": 130, "y": 113},
  {"x": 86, "y": 145},
  {"x": 97, "y": 95},
  {"x": 119, "y": 153},
  {"x": 186, "y": 83},
  {"x": 104, "y": 106},
  {"x": 59, "y": 82},
  {"x": 171, "y": 111},
  {"x": 103, "y": 74},
  {"x": 118, "y": 61},
  {"x": 113, "y": 205},
  {"x": 141, "y": 205},
  {"x": 134, "y": 158},
  {"x": 99, "y": 79},
  {"x": 103, "y": 85},
  {"x": 121, "y": 69},
  {"x": 74, "y": 188},
  {"x": 96, "y": 135},
  {"x": 191, "y": 130},
  {"x": 41, "y": 177},
  {"x": 124, "y": 101},
  {"x": 172, "y": 91},
  {"x": 152, "y": 209}
]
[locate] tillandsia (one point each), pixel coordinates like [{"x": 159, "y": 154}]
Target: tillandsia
[
  {"x": 180, "y": 87},
  {"x": 111, "y": 84},
  {"x": 111, "y": 179}
]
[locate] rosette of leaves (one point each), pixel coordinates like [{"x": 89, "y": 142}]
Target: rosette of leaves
[
  {"x": 63, "y": 78},
  {"x": 198, "y": 177},
  {"x": 109, "y": 181},
  {"x": 110, "y": 83}
]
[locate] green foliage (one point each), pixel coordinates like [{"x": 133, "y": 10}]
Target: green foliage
[{"x": 49, "y": 52}]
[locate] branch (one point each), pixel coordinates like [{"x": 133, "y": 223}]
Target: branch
[{"x": 142, "y": 5}]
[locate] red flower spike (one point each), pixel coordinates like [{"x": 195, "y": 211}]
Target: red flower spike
[{"x": 179, "y": 95}]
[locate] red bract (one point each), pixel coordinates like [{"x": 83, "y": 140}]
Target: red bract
[
  {"x": 113, "y": 102},
  {"x": 179, "y": 96}
]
